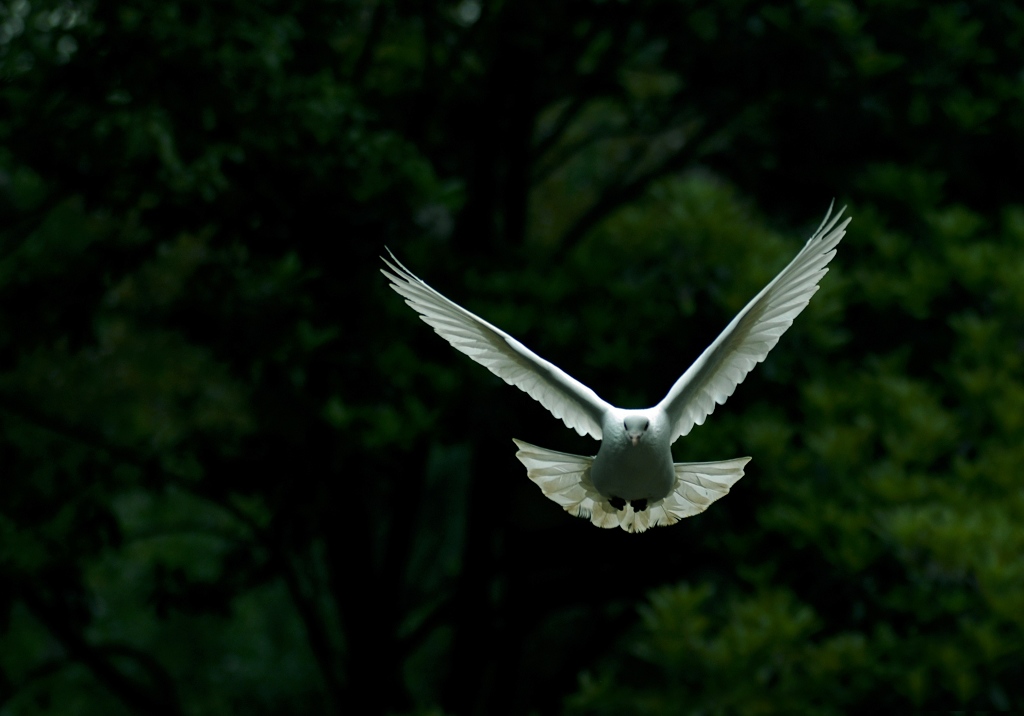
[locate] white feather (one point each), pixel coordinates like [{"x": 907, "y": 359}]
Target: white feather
[
  {"x": 565, "y": 479},
  {"x": 575, "y": 404},
  {"x": 746, "y": 341}
]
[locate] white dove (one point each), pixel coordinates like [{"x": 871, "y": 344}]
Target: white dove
[{"x": 632, "y": 482}]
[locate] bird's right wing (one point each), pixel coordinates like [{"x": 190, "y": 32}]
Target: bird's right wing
[
  {"x": 745, "y": 342},
  {"x": 575, "y": 404}
]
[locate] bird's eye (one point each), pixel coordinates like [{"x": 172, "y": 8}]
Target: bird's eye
[{"x": 647, "y": 424}]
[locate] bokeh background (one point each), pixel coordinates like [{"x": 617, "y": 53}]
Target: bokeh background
[{"x": 238, "y": 475}]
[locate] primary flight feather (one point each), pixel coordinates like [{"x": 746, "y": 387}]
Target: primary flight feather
[{"x": 632, "y": 482}]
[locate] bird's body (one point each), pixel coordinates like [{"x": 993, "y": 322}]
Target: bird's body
[
  {"x": 640, "y": 471},
  {"x": 632, "y": 482}
]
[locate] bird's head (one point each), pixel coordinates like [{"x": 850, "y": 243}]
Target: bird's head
[{"x": 636, "y": 426}]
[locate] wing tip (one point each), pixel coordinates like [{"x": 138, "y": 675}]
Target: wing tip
[
  {"x": 828, "y": 224},
  {"x": 404, "y": 276}
]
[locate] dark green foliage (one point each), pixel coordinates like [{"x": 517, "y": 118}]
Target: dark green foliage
[{"x": 237, "y": 475}]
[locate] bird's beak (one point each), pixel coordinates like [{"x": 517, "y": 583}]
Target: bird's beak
[{"x": 635, "y": 439}]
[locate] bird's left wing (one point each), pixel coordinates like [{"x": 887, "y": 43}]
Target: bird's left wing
[
  {"x": 745, "y": 342},
  {"x": 575, "y": 404}
]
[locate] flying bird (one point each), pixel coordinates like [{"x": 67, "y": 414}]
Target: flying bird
[{"x": 632, "y": 482}]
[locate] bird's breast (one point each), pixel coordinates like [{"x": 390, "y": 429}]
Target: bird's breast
[{"x": 633, "y": 472}]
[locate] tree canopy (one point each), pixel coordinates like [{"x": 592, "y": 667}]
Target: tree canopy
[{"x": 237, "y": 474}]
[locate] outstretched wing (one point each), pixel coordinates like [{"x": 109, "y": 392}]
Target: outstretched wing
[
  {"x": 745, "y": 342},
  {"x": 575, "y": 404}
]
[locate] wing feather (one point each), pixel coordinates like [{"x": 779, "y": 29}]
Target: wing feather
[
  {"x": 746, "y": 341},
  {"x": 575, "y": 404}
]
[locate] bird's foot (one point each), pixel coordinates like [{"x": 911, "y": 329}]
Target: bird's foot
[
  {"x": 617, "y": 502},
  {"x": 639, "y": 505}
]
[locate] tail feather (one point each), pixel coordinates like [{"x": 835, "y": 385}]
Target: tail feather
[
  {"x": 562, "y": 477},
  {"x": 698, "y": 484},
  {"x": 565, "y": 479}
]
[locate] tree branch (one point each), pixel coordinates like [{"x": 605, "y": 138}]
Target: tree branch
[
  {"x": 319, "y": 643},
  {"x": 565, "y": 153},
  {"x": 362, "y": 64},
  {"x": 315, "y": 628},
  {"x": 627, "y": 191},
  {"x": 565, "y": 118},
  {"x": 134, "y": 694}
]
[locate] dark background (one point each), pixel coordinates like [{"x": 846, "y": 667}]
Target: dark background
[{"x": 237, "y": 474}]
